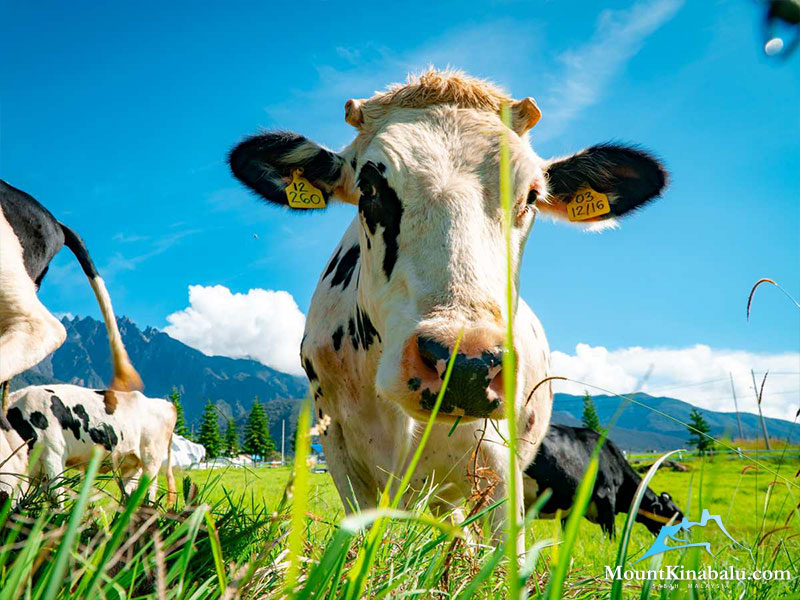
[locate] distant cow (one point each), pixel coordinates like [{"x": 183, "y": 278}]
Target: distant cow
[
  {"x": 69, "y": 421},
  {"x": 560, "y": 464},
  {"x": 424, "y": 259},
  {"x": 13, "y": 462},
  {"x": 30, "y": 237}
]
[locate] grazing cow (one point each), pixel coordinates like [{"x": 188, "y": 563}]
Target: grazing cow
[
  {"x": 69, "y": 421},
  {"x": 560, "y": 464},
  {"x": 13, "y": 462},
  {"x": 30, "y": 236},
  {"x": 423, "y": 259}
]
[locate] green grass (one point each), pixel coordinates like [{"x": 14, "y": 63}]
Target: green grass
[{"x": 251, "y": 519}]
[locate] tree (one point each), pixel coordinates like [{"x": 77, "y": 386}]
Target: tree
[
  {"x": 590, "y": 418},
  {"x": 180, "y": 425},
  {"x": 697, "y": 428},
  {"x": 231, "y": 442},
  {"x": 209, "y": 435},
  {"x": 256, "y": 432}
]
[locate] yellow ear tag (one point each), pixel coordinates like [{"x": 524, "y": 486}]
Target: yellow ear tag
[
  {"x": 587, "y": 204},
  {"x": 302, "y": 194}
]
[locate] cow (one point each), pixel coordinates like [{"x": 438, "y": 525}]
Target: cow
[
  {"x": 560, "y": 465},
  {"x": 13, "y": 463},
  {"x": 423, "y": 260},
  {"x": 134, "y": 431},
  {"x": 30, "y": 237}
]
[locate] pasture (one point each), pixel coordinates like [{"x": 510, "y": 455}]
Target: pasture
[{"x": 228, "y": 537}]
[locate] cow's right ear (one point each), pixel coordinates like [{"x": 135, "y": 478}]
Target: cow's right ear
[{"x": 267, "y": 164}]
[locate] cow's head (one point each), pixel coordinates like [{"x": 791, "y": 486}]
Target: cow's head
[
  {"x": 657, "y": 511},
  {"x": 424, "y": 174}
]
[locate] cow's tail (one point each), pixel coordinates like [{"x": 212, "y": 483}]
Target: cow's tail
[{"x": 125, "y": 376}]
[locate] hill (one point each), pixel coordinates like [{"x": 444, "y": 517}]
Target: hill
[{"x": 164, "y": 362}]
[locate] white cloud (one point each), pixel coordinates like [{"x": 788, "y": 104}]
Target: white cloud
[
  {"x": 265, "y": 325},
  {"x": 697, "y": 374},
  {"x": 591, "y": 68}
]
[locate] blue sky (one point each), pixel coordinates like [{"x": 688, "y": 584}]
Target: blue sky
[{"x": 118, "y": 119}]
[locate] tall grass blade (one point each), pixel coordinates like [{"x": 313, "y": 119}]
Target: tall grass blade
[
  {"x": 299, "y": 498},
  {"x": 509, "y": 362},
  {"x": 622, "y": 550},
  {"x": 70, "y": 535}
]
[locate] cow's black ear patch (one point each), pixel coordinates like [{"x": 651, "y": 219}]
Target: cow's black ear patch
[
  {"x": 265, "y": 163},
  {"x": 629, "y": 176}
]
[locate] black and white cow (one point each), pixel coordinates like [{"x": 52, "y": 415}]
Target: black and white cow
[
  {"x": 30, "y": 237},
  {"x": 560, "y": 465},
  {"x": 424, "y": 258},
  {"x": 69, "y": 421},
  {"x": 13, "y": 462}
]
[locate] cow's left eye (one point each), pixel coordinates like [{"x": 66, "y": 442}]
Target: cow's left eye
[{"x": 533, "y": 196}]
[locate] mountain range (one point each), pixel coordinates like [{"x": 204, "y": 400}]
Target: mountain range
[{"x": 232, "y": 383}]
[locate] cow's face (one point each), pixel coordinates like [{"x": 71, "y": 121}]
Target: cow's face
[{"x": 432, "y": 254}]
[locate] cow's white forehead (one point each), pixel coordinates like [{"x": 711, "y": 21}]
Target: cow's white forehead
[{"x": 436, "y": 151}]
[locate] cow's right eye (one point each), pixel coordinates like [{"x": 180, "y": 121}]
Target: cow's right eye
[{"x": 533, "y": 196}]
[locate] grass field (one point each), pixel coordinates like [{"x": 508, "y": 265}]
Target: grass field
[{"x": 231, "y": 539}]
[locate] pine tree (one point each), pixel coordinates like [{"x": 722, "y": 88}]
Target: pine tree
[
  {"x": 209, "y": 435},
  {"x": 256, "y": 432},
  {"x": 590, "y": 418},
  {"x": 231, "y": 439},
  {"x": 180, "y": 425},
  {"x": 698, "y": 427}
]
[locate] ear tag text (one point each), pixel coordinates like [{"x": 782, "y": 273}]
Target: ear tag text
[
  {"x": 587, "y": 204},
  {"x": 302, "y": 194}
]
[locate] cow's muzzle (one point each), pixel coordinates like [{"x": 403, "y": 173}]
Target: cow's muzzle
[{"x": 475, "y": 388}]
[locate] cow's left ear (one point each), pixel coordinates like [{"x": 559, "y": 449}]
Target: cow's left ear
[
  {"x": 627, "y": 177},
  {"x": 270, "y": 163}
]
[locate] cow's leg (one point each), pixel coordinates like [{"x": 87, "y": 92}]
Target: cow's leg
[
  {"x": 354, "y": 486},
  {"x": 495, "y": 457},
  {"x": 28, "y": 332},
  {"x": 52, "y": 468}
]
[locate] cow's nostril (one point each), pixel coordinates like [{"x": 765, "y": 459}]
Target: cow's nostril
[{"x": 431, "y": 352}]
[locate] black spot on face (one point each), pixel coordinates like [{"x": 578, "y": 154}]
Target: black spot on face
[
  {"x": 38, "y": 420},
  {"x": 65, "y": 417},
  {"x": 414, "y": 383},
  {"x": 337, "y": 338},
  {"x": 351, "y": 331},
  {"x": 309, "y": 369},
  {"x": 49, "y": 391},
  {"x": 104, "y": 435},
  {"x": 333, "y": 263},
  {"x": 361, "y": 330},
  {"x": 22, "y": 427},
  {"x": 320, "y": 413},
  {"x": 346, "y": 266},
  {"x": 379, "y": 205}
]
